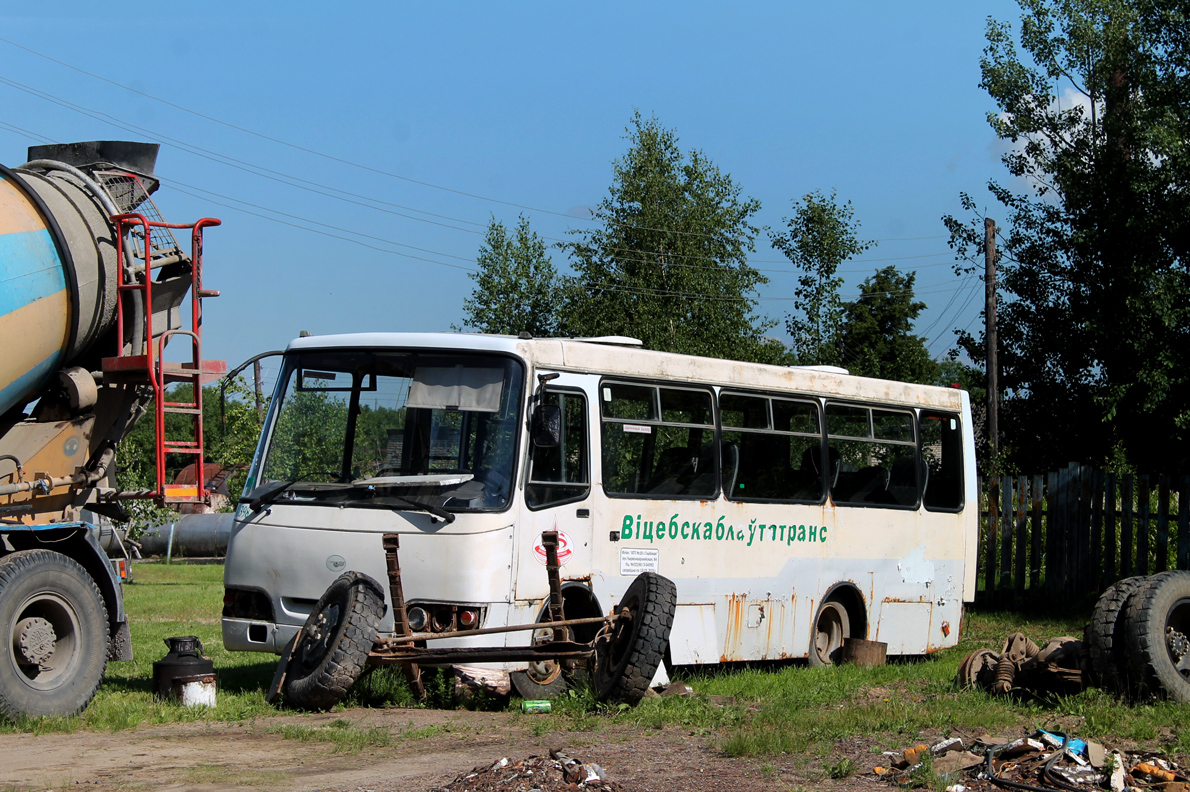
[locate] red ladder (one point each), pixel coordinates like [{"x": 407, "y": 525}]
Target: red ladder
[{"x": 152, "y": 368}]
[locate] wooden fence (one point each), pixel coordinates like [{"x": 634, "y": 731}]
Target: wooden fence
[{"x": 1065, "y": 536}]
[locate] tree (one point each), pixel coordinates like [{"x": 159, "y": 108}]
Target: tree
[
  {"x": 516, "y": 286},
  {"x": 819, "y": 237},
  {"x": 667, "y": 262},
  {"x": 1094, "y": 317},
  {"x": 876, "y": 335}
]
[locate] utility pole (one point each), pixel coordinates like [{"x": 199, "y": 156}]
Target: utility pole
[
  {"x": 989, "y": 283},
  {"x": 259, "y": 390}
]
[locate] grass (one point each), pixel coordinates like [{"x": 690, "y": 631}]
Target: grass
[{"x": 766, "y": 711}]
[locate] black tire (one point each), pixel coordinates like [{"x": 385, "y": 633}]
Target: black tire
[
  {"x": 832, "y": 626},
  {"x": 55, "y": 635},
  {"x": 1104, "y": 636},
  {"x": 627, "y": 658},
  {"x": 334, "y": 643},
  {"x": 1157, "y": 623}
]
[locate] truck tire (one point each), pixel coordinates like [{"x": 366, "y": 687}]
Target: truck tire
[
  {"x": 55, "y": 635},
  {"x": 627, "y": 658},
  {"x": 1104, "y": 635},
  {"x": 1157, "y": 624},
  {"x": 832, "y": 626},
  {"x": 334, "y": 643}
]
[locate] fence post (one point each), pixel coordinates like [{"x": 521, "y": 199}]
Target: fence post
[
  {"x": 1038, "y": 492},
  {"x": 1055, "y": 563},
  {"x": 1184, "y": 524},
  {"x": 1142, "y": 530},
  {"x": 1109, "y": 563},
  {"x": 1081, "y": 570},
  {"x": 993, "y": 535},
  {"x": 1020, "y": 579},
  {"x": 1006, "y": 528},
  {"x": 1126, "y": 527},
  {"x": 1096, "y": 576},
  {"x": 1162, "y": 524}
]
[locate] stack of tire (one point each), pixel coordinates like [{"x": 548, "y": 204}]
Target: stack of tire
[{"x": 1139, "y": 637}]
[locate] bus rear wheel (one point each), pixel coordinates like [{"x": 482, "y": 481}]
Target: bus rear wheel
[{"x": 832, "y": 626}]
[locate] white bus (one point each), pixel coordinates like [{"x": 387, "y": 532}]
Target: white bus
[{"x": 792, "y": 507}]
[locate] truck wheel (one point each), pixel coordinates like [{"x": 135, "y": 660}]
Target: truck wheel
[
  {"x": 55, "y": 635},
  {"x": 831, "y": 627},
  {"x": 334, "y": 643},
  {"x": 1104, "y": 635},
  {"x": 627, "y": 658},
  {"x": 1157, "y": 624}
]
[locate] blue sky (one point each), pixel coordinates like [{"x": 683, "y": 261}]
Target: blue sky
[{"x": 503, "y": 104}]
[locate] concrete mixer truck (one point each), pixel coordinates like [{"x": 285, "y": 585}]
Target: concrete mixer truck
[{"x": 93, "y": 286}]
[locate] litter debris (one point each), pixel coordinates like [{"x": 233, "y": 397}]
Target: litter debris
[
  {"x": 1042, "y": 760},
  {"x": 553, "y": 773}
]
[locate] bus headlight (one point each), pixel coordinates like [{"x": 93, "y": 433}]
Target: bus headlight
[{"x": 418, "y": 619}]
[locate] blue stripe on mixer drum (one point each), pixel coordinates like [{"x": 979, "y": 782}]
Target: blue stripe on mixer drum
[{"x": 29, "y": 269}]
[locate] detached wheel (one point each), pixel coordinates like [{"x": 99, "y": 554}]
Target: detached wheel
[
  {"x": 627, "y": 658},
  {"x": 334, "y": 643},
  {"x": 1158, "y": 636},
  {"x": 1104, "y": 635},
  {"x": 55, "y": 633},
  {"x": 832, "y": 626},
  {"x": 543, "y": 679}
]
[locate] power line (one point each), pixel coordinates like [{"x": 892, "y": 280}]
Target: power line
[{"x": 352, "y": 163}]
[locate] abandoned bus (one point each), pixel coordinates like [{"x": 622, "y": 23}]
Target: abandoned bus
[{"x": 792, "y": 507}]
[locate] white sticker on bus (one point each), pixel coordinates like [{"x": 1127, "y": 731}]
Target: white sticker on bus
[
  {"x": 638, "y": 429},
  {"x": 634, "y": 560}
]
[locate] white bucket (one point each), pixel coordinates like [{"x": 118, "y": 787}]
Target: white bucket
[{"x": 193, "y": 691}]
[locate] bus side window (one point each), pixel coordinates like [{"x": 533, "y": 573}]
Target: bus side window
[
  {"x": 561, "y": 474},
  {"x": 942, "y": 455},
  {"x": 658, "y": 441},
  {"x": 877, "y": 456},
  {"x": 773, "y": 446}
]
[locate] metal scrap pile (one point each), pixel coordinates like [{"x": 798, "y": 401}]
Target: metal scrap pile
[
  {"x": 1058, "y": 667},
  {"x": 1137, "y": 645},
  {"x": 1040, "y": 762},
  {"x": 553, "y": 773}
]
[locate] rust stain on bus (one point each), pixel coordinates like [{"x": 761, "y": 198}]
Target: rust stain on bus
[{"x": 736, "y": 608}]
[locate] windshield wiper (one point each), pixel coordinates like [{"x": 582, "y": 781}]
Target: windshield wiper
[
  {"x": 380, "y": 502},
  {"x": 270, "y": 495}
]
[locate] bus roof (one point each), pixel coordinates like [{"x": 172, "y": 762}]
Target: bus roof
[{"x": 618, "y": 356}]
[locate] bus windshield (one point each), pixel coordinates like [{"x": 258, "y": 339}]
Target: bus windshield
[{"x": 433, "y": 427}]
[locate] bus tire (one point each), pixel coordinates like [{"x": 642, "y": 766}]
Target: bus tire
[
  {"x": 334, "y": 643},
  {"x": 1157, "y": 624},
  {"x": 1104, "y": 635},
  {"x": 832, "y": 626},
  {"x": 55, "y": 635},
  {"x": 627, "y": 657}
]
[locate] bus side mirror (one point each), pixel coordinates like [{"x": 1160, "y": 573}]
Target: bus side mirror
[{"x": 547, "y": 425}]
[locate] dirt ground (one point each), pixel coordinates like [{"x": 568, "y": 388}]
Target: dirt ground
[{"x": 217, "y": 756}]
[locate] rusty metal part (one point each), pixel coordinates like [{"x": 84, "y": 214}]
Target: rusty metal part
[
  {"x": 400, "y": 649},
  {"x": 549, "y": 542},
  {"x": 391, "y": 544},
  {"x": 405, "y": 639},
  {"x": 554, "y": 650}
]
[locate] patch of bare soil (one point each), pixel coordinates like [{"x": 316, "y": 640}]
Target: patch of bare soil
[{"x": 217, "y": 756}]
